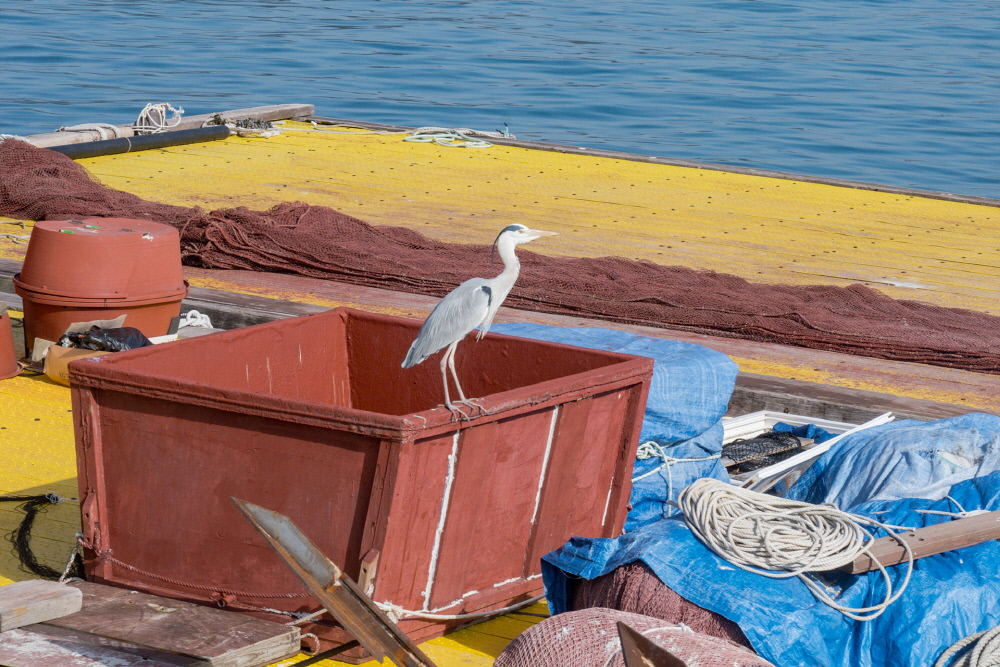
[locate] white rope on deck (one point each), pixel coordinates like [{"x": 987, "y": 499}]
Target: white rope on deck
[
  {"x": 461, "y": 137},
  {"x": 779, "y": 538},
  {"x": 153, "y": 118},
  {"x": 193, "y": 318},
  {"x": 983, "y": 651}
]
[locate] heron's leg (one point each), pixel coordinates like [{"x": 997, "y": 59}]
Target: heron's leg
[
  {"x": 463, "y": 400},
  {"x": 451, "y": 365},
  {"x": 446, "y": 361}
]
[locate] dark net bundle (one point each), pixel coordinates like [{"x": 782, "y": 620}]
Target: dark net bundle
[
  {"x": 589, "y": 638},
  {"x": 766, "y": 449},
  {"x": 320, "y": 242},
  {"x": 636, "y": 589}
]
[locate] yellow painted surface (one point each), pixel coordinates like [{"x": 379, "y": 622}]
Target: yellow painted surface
[
  {"x": 762, "y": 229},
  {"x": 476, "y": 646},
  {"x": 38, "y": 454}
]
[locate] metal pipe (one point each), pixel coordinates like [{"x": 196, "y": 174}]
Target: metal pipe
[{"x": 143, "y": 142}]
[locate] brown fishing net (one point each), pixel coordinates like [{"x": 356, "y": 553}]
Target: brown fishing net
[
  {"x": 635, "y": 588},
  {"x": 321, "y": 242},
  {"x": 589, "y": 638}
]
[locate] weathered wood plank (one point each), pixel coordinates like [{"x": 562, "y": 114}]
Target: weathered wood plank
[
  {"x": 272, "y": 112},
  {"x": 929, "y": 541},
  {"x": 219, "y": 638},
  {"x": 26, "y": 648},
  {"x": 67, "y": 636},
  {"x": 36, "y": 600}
]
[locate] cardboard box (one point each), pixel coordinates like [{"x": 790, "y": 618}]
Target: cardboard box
[{"x": 57, "y": 361}]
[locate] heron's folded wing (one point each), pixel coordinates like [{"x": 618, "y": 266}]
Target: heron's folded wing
[{"x": 458, "y": 313}]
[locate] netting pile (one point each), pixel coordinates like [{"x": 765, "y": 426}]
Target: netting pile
[
  {"x": 589, "y": 638},
  {"x": 766, "y": 449},
  {"x": 320, "y": 242},
  {"x": 636, "y": 589}
]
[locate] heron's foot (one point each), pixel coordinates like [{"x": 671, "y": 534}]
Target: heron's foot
[
  {"x": 457, "y": 413},
  {"x": 471, "y": 402}
]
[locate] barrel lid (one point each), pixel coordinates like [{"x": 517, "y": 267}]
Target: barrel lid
[{"x": 103, "y": 258}]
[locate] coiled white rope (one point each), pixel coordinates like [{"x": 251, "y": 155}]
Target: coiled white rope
[
  {"x": 105, "y": 130},
  {"x": 153, "y": 118},
  {"x": 779, "y": 538},
  {"x": 461, "y": 137},
  {"x": 983, "y": 651},
  {"x": 5, "y": 137},
  {"x": 16, "y": 238},
  {"x": 193, "y": 318}
]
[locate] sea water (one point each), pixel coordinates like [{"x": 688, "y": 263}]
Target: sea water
[{"x": 899, "y": 92}]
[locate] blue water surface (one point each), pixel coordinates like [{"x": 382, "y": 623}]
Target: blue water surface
[{"x": 900, "y": 92}]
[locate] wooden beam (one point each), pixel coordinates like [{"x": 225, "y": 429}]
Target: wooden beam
[
  {"x": 36, "y": 600},
  {"x": 214, "y": 637},
  {"x": 270, "y": 113},
  {"x": 31, "y": 647},
  {"x": 929, "y": 541}
]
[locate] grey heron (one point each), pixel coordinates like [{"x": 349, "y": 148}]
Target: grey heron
[{"x": 472, "y": 304}]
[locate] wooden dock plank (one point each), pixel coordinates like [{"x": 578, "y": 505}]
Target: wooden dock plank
[
  {"x": 35, "y": 601},
  {"x": 218, "y": 638},
  {"x": 26, "y": 648}
]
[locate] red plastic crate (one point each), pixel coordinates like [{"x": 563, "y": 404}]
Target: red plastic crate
[{"x": 313, "y": 417}]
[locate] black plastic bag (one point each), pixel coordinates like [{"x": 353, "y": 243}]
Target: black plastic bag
[{"x": 107, "y": 340}]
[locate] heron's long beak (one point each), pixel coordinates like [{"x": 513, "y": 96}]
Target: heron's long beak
[{"x": 542, "y": 233}]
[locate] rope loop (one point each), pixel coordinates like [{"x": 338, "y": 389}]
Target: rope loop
[
  {"x": 153, "y": 118},
  {"x": 651, "y": 449},
  {"x": 780, "y": 538},
  {"x": 461, "y": 137},
  {"x": 193, "y": 318}
]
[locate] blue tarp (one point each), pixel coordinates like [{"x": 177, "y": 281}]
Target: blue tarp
[
  {"x": 950, "y": 595},
  {"x": 688, "y": 395},
  {"x": 903, "y": 459}
]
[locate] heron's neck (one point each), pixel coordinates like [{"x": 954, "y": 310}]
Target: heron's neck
[{"x": 511, "y": 265}]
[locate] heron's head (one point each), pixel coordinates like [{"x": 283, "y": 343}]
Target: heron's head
[{"x": 516, "y": 234}]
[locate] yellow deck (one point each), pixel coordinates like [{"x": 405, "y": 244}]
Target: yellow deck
[{"x": 763, "y": 229}]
